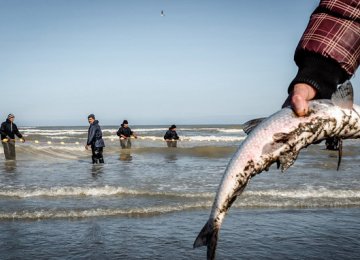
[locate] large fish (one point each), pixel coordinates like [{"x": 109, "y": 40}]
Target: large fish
[{"x": 279, "y": 138}]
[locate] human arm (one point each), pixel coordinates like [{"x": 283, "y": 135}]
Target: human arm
[
  {"x": 18, "y": 134},
  {"x": 118, "y": 133},
  {"x": 327, "y": 54},
  {"x": 3, "y": 132},
  {"x": 176, "y": 137},
  {"x": 133, "y": 134},
  {"x": 91, "y": 136}
]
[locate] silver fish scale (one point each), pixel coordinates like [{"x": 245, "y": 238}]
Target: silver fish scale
[
  {"x": 279, "y": 138},
  {"x": 251, "y": 158}
]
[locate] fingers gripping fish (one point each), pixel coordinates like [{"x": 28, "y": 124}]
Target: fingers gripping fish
[{"x": 279, "y": 138}]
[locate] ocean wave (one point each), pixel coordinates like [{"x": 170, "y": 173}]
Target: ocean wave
[
  {"x": 68, "y": 140},
  {"x": 225, "y": 130},
  {"x": 100, "y": 212},
  {"x": 152, "y": 138},
  {"x": 198, "y": 138},
  {"x": 113, "y": 130},
  {"x": 213, "y": 138},
  {"x": 93, "y": 191},
  {"x": 265, "y": 195},
  {"x": 306, "y": 193},
  {"x": 53, "y": 132},
  {"x": 243, "y": 203},
  {"x": 139, "y": 130},
  {"x": 195, "y": 129}
]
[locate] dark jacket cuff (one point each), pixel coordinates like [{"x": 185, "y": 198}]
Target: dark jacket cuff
[{"x": 324, "y": 74}]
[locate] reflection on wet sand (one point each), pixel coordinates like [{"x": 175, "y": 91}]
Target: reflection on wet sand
[
  {"x": 10, "y": 166},
  {"x": 171, "y": 158},
  {"x": 125, "y": 155},
  {"x": 97, "y": 169}
]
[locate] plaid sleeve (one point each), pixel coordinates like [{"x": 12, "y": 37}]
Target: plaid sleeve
[
  {"x": 334, "y": 32},
  {"x": 329, "y": 50}
]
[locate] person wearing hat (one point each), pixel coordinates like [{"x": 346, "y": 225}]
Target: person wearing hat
[
  {"x": 8, "y": 132},
  {"x": 95, "y": 140},
  {"x": 125, "y": 133},
  {"x": 171, "y": 136}
]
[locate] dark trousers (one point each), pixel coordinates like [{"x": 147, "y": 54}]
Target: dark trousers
[
  {"x": 125, "y": 143},
  {"x": 172, "y": 143},
  {"x": 97, "y": 154},
  {"x": 9, "y": 150}
]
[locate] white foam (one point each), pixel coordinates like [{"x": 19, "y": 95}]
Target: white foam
[
  {"x": 307, "y": 193},
  {"x": 54, "y": 132},
  {"x": 92, "y": 191},
  {"x": 150, "y": 129},
  {"x": 223, "y": 130},
  {"x": 152, "y": 138},
  {"x": 214, "y": 138},
  {"x": 146, "y": 211}
]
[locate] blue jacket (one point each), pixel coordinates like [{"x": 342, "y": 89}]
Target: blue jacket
[{"x": 95, "y": 135}]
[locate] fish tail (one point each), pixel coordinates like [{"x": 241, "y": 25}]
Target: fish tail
[{"x": 208, "y": 236}]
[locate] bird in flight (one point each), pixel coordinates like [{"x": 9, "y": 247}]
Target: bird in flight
[{"x": 162, "y": 13}]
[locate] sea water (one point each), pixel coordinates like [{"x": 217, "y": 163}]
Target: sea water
[{"x": 150, "y": 202}]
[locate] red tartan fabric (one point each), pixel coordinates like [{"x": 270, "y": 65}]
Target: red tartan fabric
[{"x": 334, "y": 32}]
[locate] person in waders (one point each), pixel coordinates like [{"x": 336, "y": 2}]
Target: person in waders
[
  {"x": 95, "y": 140},
  {"x": 8, "y": 132},
  {"x": 125, "y": 133},
  {"x": 171, "y": 136}
]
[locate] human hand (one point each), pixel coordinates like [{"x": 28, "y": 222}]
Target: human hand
[
  {"x": 22, "y": 140},
  {"x": 86, "y": 147},
  {"x": 5, "y": 140},
  {"x": 298, "y": 99}
]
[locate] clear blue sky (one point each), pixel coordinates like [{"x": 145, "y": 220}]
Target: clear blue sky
[{"x": 203, "y": 62}]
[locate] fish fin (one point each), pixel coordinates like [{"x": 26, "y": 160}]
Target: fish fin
[
  {"x": 287, "y": 159},
  {"x": 208, "y": 236},
  {"x": 281, "y": 137},
  {"x": 278, "y": 164},
  {"x": 318, "y": 141},
  {"x": 271, "y": 147},
  {"x": 251, "y": 124},
  {"x": 279, "y": 140},
  {"x": 205, "y": 234},
  {"x": 344, "y": 96},
  {"x": 332, "y": 143},
  {"x": 340, "y": 154}
]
